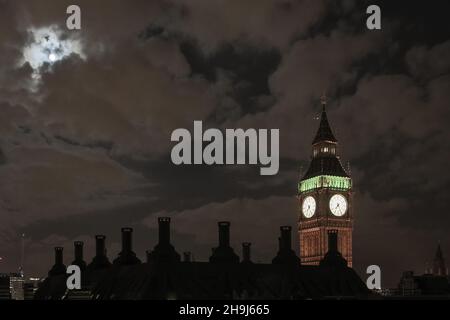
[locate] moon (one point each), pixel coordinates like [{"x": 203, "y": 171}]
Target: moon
[
  {"x": 52, "y": 57},
  {"x": 48, "y": 45}
]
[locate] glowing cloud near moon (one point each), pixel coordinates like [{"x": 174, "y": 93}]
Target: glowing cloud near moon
[{"x": 48, "y": 45}]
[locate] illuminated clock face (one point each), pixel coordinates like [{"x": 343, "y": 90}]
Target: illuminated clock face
[
  {"x": 338, "y": 205},
  {"x": 309, "y": 207}
]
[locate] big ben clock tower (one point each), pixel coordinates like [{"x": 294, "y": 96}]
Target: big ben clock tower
[{"x": 325, "y": 198}]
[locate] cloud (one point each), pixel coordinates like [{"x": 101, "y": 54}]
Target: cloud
[
  {"x": 43, "y": 182},
  {"x": 260, "y": 22},
  {"x": 381, "y": 239},
  {"x": 426, "y": 63},
  {"x": 255, "y": 221},
  {"x": 92, "y": 102},
  {"x": 312, "y": 66}
]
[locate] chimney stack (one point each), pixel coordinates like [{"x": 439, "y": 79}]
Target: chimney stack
[
  {"x": 224, "y": 234},
  {"x": 285, "y": 253},
  {"x": 333, "y": 240},
  {"x": 333, "y": 258},
  {"x": 163, "y": 252},
  {"x": 78, "y": 245},
  {"x": 59, "y": 267},
  {"x": 127, "y": 256},
  {"x": 246, "y": 252},
  {"x": 224, "y": 253},
  {"x": 100, "y": 249},
  {"x": 127, "y": 245},
  {"x": 59, "y": 255},
  {"x": 100, "y": 261},
  {"x": 285, "y": 241},
  {"x": 164, "y": 230}
]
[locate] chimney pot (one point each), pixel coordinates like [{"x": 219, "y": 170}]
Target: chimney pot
[
  {"x": 333, "y": 240},
  {"x": 127, "y": 245},
  {"x": 59, "y": 255},
  {"x": 285, "y": 240},
  {"x": 164, "y": 230},
  {"x": 78, "y": 250},
  {"x": 100, "y": 249},
  {"x": 224, "y": 233}
]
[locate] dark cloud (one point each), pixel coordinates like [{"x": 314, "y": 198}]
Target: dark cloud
[
  {"x": 240, "y": 70},
  {"x": 426, "y": 63}
]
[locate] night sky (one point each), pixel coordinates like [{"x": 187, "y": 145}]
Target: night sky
[{"x": 85, "y": 139}]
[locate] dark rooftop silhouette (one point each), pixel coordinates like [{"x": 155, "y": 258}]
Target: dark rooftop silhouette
[{"x": 164, "y": 276}]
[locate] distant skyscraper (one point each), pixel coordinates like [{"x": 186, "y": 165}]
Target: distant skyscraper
[
  {"x": 16, "y": 282},
  {"x": 11, "y": 286}
]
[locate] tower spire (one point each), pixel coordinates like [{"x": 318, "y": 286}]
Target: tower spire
[
  {"x": 325, "y": 159},
  {"x": 324, "y": 133},
  {"x": 439, "y": 267}
]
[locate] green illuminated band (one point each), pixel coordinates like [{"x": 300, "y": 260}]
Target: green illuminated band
[{"x": 332, "y": 182}]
